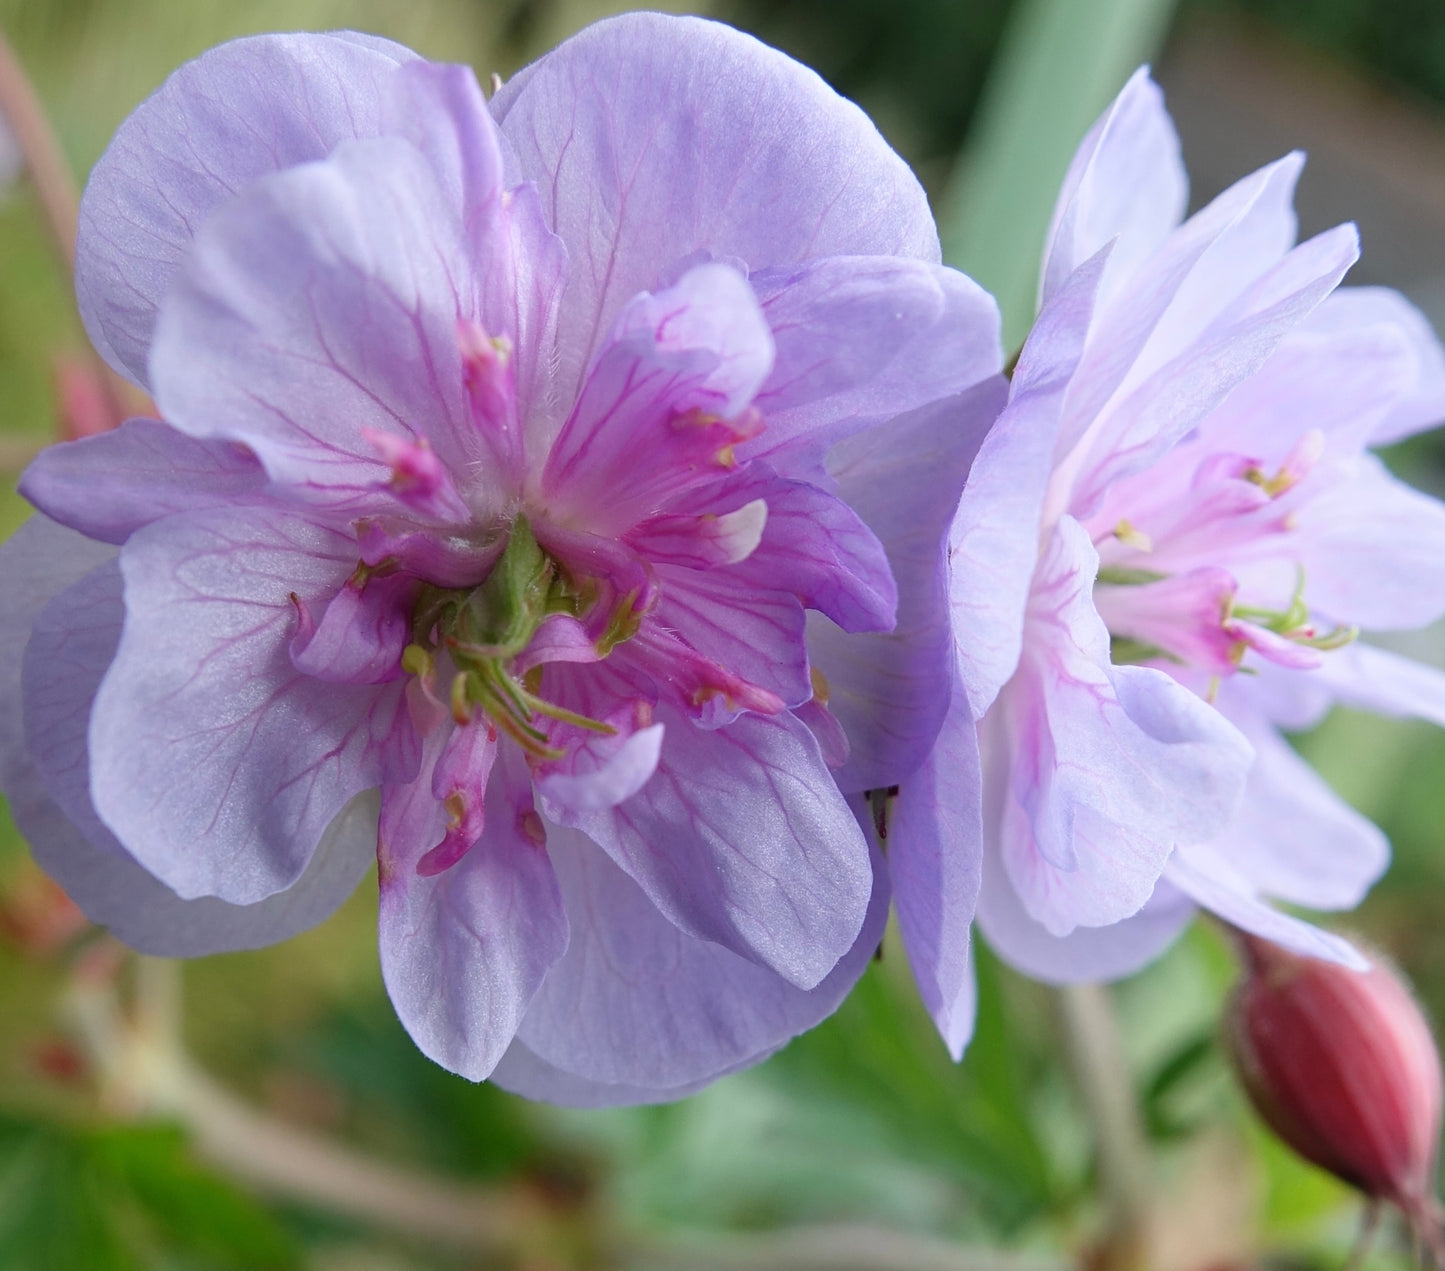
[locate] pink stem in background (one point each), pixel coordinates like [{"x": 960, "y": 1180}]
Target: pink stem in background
[{"x": 55, "y": 191}]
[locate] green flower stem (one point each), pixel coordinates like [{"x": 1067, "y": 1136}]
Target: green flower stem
[{"x": 1097, "y": 1055}]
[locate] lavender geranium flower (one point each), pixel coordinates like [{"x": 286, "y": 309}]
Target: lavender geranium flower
[
  {"x": 1161, "y": 558},
  {"x": 528, "y": 462}
]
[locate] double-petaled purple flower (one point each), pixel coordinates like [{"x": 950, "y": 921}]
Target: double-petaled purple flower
[
  {"x": 558, "y": 466},
  {"x": 1163, "y": 555}
]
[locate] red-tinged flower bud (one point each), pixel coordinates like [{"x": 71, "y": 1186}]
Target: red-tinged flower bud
[{"x": 1341, "y": 1065}]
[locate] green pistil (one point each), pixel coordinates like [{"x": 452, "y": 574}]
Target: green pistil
[
  {"x": 485, "y": 628},
  {"x": 1123, "y": 576}
]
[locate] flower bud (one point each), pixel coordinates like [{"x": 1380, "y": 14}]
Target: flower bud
[{"x": 1341, "y": 1065}]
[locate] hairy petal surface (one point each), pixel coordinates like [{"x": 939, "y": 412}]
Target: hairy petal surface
[
  {"x": 653, "y": 139},
  {"x": 742, "y": 838},
  {"x": 240, "y": 111},
  {"x": 214, "y": 761}
]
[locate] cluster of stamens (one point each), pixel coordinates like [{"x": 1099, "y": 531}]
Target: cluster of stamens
[{"x": 482, "y": 631}]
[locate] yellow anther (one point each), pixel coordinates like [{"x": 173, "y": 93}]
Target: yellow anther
[{"x": 1131, "y": 537}]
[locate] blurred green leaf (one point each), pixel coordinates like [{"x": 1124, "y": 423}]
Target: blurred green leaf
[
  {"x": 115, "y": 1198},
  {"x": 1060, "y": 64},
  {"x": 881, "y": 1058}
]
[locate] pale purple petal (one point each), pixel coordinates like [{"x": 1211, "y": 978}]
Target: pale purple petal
[
  {"x": 755, "y": 634},
  {"x": 886, "y": 689},
  {"x": 1368, "y": 678},
  {"x": 72, "y": 645},
  {"x": 439, "y": 108},
  {"x": 1343, "y": 383},
  {"x": 614, "y": 775},
  {"x": 1181, "y": 289},
  {"x": 1093, "y": 772},
  {"x": 110, "y": 887},
  {"x": 1293, "y": 837},
  {"x": 522, "y": 265},
  {"x": 655, "y": 413},
  {"x": 1126, "y": 182},
  {"x": 1086, "y": 954},
  {"x": 742, "y": 838},
  {"x": 39, "y": 562},
  {"x": 1212, "y": 882},
  {"x": 1373, "y": 549},
  {"x": 861, "y": 340},
  {"x": 242, "y": 110},
  {"x": 109, "y": 485},
  {"x": 323, "y": 302},
  {"x": 1148, "y": 418},
  {"x": 637, "y": 1003},
  {"x": 360, "y": 637},
  {"x": 813, "y": 544},
  {"x": 935, "y": 853},
  {"x": 1423, "y": 405},
  {"x": 214, "y": 761},
  {"x": 463, "y": 952},
  {"x": 994, "y": 541},
  {"x": 653, "y": 138},
  {"x": 522, "y": 1073}
]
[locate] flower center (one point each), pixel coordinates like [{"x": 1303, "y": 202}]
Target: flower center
[
  {"x": 496, "y": 638},
  {"x": 1195, "y": 574}
]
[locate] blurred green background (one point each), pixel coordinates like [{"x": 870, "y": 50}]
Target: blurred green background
[{"x": 864, "y": 1121}]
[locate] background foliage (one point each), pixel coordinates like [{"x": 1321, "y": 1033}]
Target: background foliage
[{"x": 865, "y": 1119}]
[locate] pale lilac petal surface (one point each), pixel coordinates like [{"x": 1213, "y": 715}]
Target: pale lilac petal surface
[
  {"x": 1424, "y": 405},
  {"x": 781, "y": 877},
  {"x": 935, "y": 855},
  {"x": 1151, "y": 418},
  {"x": 1112, "y": 766},
  {"x": 322, "y": 302},
  {"x": 637, "y": 1002},
  {"x": 1200, "y": 269},
  {"x": 1370, "y": 678},
  {"x": 994, "y": 540},
  {"x": 1293, "y": 837},
  {"x": 607, "y": 122},
  {"x": 1085, "y": 954},
  {"x": 109, "y": 485},
  {"x": 463, "y": 952},
  {"x": 861, "y": 340},
  {"x": 1211, "y": 881},
  {"x": 108, "y": 885},
  {"x": 888, "y": 689},
  {"x": 215, "y": 760},
  {"x": 244, "y": 109},
  {"x": 1126, "y": 181},
  {"x": 1373, "y": 549}
]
